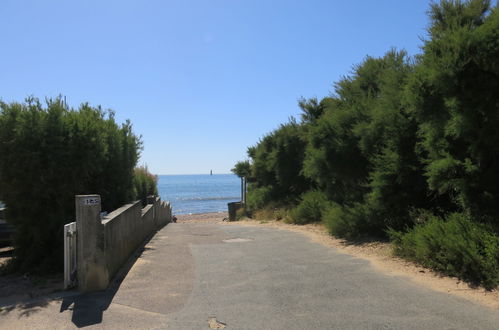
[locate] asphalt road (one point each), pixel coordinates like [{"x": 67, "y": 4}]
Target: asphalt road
[{"x": 193, "y": 276}]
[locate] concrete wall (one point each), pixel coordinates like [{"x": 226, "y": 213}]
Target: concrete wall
[{"x": 106, "y": 244}]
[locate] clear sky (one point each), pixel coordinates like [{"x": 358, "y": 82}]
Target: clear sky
[{"x": 200, "y": 80}]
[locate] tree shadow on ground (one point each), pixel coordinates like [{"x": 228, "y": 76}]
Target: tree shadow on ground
[
  {"x": 27, "y": 309},
  {"x": 88, "y": 308}
]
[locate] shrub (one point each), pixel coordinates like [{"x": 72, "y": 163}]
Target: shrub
[
  {"x": 277, "y": 162},
  {"x": 310, "y": 208},
  {"x": 453, "y": 94},
  {"x": 281, "y": 213},
  {"x": 241, "y": 213},
  {"x": 257, "y": 198},
  {"x": 455, "y": 246},
  {"x": 343, "y": 221},
  {"x": 47, "y": 156},
  {"x": 144, "y": 184},
  {"x": 355, "y": 222},
  {"x": 271, "y": 212}
]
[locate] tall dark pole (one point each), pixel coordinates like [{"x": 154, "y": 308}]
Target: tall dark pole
[
  {"x": 242, "y": 190},
  {"x": 245, "y": 190}
]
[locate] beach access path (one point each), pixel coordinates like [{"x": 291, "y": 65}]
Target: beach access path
[{"x": 205, "y": 274}]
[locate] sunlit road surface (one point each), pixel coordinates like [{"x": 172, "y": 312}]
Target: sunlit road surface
[{"x": 202, "y": 276}]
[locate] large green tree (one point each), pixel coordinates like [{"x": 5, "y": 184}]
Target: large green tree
[
  {"x": 277, "y": 162},
  {"x": 362, "y": 150},
  {"x": 49, "y": 155},
  {"x": 455, "y": 95}
]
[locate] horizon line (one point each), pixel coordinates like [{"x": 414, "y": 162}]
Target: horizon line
[{"x": 196, "y": 174}]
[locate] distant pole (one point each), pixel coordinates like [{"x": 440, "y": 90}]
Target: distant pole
[
  {"x": 245, "y": 190},
  {"x": 242, "y": 190}
]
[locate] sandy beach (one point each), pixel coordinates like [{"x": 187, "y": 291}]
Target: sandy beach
[{"x": 203, "y": 217}]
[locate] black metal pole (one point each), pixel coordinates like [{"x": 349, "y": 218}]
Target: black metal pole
[
  {"x": 245, "y": 190},
  {"x": 242, "y": 190}
]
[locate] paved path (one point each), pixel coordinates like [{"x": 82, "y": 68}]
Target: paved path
[{"x": 251, "y": 278}]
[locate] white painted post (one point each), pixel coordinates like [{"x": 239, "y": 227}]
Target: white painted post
[{"x": 69, "y": 255}]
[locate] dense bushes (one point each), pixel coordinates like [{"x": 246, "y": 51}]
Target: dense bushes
[
  {"x": 349, "y": 222},
  {"x": 258, "y": 198},
  {"x": 456, "y": 246},
  {"x": 144, "y": 184},
  {"x": 310, "y": 208},
  {"x": 454, "y": 94},
  {"x": 400, "y": 134},
  {"x": 277, "y": 164},
  {"x": 47, "y": 156}
]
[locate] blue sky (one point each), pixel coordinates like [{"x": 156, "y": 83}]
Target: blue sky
[{"x": 200, "y": 80}]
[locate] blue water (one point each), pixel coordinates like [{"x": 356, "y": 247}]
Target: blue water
[{"x": 199, "y": 193}]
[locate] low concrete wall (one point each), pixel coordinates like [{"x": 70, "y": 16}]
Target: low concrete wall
[{"x": 106, "y": 244}]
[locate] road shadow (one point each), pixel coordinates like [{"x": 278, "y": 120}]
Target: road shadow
[
  {"x": 25, "y": 309},
  {"x": 88, "y": 308}
]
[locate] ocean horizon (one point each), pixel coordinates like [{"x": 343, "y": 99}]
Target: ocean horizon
[{"x": 199, "y": 193}]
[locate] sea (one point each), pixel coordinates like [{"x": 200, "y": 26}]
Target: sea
[{"x": 191, "y": 194}]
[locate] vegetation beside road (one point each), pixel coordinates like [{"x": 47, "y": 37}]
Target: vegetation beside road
[
  {"x": 51, "y": 153},
  {"x": 144, "y": 184},
  {"x": 404, "y": 148}
]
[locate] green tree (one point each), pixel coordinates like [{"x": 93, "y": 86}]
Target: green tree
[
  {"x": 49, "y": 155},
  {"x": 454, "y": 94},
  {"x": 277, "y": 162},
  {"x": 362, "y": 151},
  {"x": 144, "y": 184},
  {"x": 242, "y": 169}
]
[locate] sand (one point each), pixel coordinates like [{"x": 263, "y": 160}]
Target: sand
[{"x": 203, "y": 217}]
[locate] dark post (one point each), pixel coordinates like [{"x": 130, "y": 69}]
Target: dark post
[
  {"x": 245, "y": 190},
  {"x": 242, "y": 189}
]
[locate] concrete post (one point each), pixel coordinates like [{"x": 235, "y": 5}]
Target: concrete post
[
  {"x": 151, "y": 199},
  {"x": 91, "y": 258}
]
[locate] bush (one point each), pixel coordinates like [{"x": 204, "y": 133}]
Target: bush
[
  {"x": 257, "y": 198},
  {"x": 47, "y": 156},
  {"x": 271, "y": 212},
  {"x": 456, "y": 246},
  {"x": 144, "y": 184},
  {"x": 453, "y": 94},
  {"x": 345, "y": 222},
  {"x": 310, "y": 208},
  {"x": 241, "y": 213},
  {"x": 355, "y": 222},
  {"x": 277, "y": 162}
]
